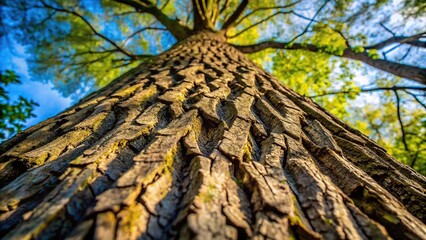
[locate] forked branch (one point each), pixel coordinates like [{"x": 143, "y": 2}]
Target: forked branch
[
  {"x": 179, "y": 31},
  {"x": 310, "y": 22},
  {"x": 117, "y": 47},
  {"x": 413, "y": 40},
  {"x": 235, "y": 15},
  {"x": 264, "y": 9}
]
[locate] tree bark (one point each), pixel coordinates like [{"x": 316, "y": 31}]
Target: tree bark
[{"x": 200, "y": 142}]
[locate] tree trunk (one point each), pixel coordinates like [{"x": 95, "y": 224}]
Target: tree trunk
[{"x": 201, "y": 142}]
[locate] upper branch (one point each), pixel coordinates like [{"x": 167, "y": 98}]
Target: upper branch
[
  {"x": 125, "y": 52},
  {"x": 416, "y": 98},
  {"x": 142, "y": 30},
  {"x": 310, "y": 22},
  {"x": 401, "y": 124},
  {"x": 233, "y": 18},
  {"x": 387, "y": 29},
  {"x": 259, "y": 22},
  {"x": 264, "y": 9},
  {"x": 414, "y": 73},
  {"x": 394, "y": 88},
  {"x": 205, "y": 14},
  {"x": 173, "y": 26},
  {"x": 411, "y": 40},
  {"x": 224, "y": 6}
]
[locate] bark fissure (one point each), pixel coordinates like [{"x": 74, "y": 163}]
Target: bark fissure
[{"x": 200, "y": 142}]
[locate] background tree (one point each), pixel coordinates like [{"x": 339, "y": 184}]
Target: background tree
[
  {"x": 199, "y": 141},
  {"x": 12, "y": 114}
]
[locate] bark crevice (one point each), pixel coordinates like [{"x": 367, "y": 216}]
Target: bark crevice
[{"x": 200, "y": 142}]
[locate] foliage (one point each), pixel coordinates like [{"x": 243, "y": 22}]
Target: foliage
[
  {"x": 414, "y": 8},
  {"x": 82, "y": 45},
  {"x": 13, "y": 114},
  {"x": 380, "y": 121}
]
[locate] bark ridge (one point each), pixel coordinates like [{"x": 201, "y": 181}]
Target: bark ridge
[{"x": 202, "y": 143}]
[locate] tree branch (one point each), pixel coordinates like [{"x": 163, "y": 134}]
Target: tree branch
[
  {"x": 179, "y": 31},
  {"x": 224, "y": 6},
  {"x": 257, "y": 23},
  {"x": 416, "y": 98},
  {"x": 125, "y": 52},
  {"x": 85, "y": 63},
  {"x": 235, "y": 15},
  {"x": 88, "y": 53},
  {"x": 310, "y": 22},
  {"x": 205, "y": 14},
  {"x": 124, "y": 13},
  {"x": 264, "y": 9},
  {"x": 338, "y": 32},
  {"x": 411, "y": 40},
  {"x": 414, "y": 73},
  {"x": 398, "y": 107},
  {"x": 394, "y": 88},
  {"x": 165, "y": 5},
  {"x": 140, "y": 31},
  {"x": 387, "y": 29},
  {"x": 416, "y": 155},
  {"x": 197, "y": 13}
]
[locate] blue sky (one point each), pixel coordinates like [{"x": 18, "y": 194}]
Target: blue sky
[{"x": 50, "y": 101}]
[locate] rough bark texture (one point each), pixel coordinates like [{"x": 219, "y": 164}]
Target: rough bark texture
[{"x": 199, "y": 143}]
